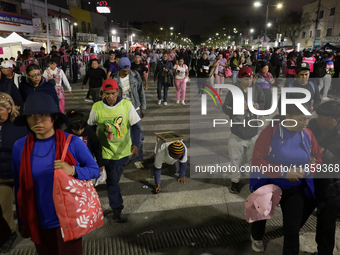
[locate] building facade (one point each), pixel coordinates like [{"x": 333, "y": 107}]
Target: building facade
[
  {"x": 60, "y": 22},
  {"x": 328, "y": 27}
]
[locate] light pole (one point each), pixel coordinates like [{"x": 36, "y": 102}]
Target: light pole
[{"x": 258, "y": 4}]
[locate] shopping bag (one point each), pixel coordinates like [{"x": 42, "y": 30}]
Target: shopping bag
[{"x": 76, "y": 202}]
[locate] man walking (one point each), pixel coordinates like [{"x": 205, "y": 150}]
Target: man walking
[
  {"x": 119, "y": 134},
  {"x": 242, "y": 138},
  {"x": 131, "y": 89},
  {"x": 164, "y": 69}
]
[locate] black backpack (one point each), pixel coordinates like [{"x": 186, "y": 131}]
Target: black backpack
[{"x": 320, "y": 69}]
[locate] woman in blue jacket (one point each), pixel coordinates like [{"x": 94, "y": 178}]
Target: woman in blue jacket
[
  {"x": 34, "y": 82},
  {"x": 288, "y": 152},
  {"x": 35, "y": 158}
]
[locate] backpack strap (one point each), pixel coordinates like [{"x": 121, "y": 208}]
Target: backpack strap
[{"x": 313, "y": 86}]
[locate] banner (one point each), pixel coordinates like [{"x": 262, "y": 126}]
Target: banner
[
  {"x": 37, "y": 25},
  {"x": 83, "y": 37},
  {"x": 65, "y": 32},
  {"x": 15, "y": 22}
]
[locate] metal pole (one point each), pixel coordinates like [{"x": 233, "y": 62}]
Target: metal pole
[
  {"x": 47, "y": 29},
  {"x": 265, "y": 28},
  {"x": 127, "y": 31},
  {"x": 316, "y": 24},
  {"x": 61, "y": 27}
]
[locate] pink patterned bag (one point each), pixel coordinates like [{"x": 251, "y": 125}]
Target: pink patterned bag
[{"x": 77, "y": 204}]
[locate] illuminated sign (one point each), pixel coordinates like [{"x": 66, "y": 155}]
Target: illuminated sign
[{"x": 103, "y": 8}]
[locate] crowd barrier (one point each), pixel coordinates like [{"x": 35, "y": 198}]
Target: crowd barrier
[{"x": 69, "y": 64}]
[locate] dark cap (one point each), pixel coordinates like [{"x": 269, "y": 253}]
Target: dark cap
[
  {"x": 302, "y": 66},
  {"x": 329, "y": 109}
]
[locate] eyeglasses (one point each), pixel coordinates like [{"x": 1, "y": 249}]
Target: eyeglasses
[{"x": 35, "y": 76}]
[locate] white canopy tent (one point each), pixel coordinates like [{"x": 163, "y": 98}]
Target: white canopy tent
[
  {"x": 15, "y": 38},
  {"x": 14, "y": 43}
]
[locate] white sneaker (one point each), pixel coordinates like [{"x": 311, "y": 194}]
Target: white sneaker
[
  {"x": 257, "y": 246},
  {"x": 165, "y": 103},
  {"x": 159, "y": 102},
  {"x": 139, "y": 164},
  {"x": 177, "y": 102},
  {"x": 183, "y": 103},
  {"x": 326, "y": 98}
]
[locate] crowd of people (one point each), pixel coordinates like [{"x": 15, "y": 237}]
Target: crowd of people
[{"x": 32, "y": 116}]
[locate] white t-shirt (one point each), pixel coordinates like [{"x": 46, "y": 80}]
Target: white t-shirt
[
  {"x": 162, "y": 154},
  {"x": 126, "y": 93},
  {"x": 182, "y": 71}
]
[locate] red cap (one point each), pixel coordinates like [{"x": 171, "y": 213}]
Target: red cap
[
  {"x": 245, "y": 72},
  {"x": 110, "y": 84}
]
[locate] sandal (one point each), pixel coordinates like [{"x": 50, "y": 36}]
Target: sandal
[{"x": 157, "y": 190}]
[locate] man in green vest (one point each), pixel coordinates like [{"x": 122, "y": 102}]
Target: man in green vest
[{"x": 119, "y": 134}]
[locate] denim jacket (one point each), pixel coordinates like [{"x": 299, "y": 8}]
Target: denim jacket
[{"x": 136, "y": 87}]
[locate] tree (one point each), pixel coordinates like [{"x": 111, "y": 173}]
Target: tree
[
  {"x": 294, "y": 24},
  {"x": 151, "y": 31}
]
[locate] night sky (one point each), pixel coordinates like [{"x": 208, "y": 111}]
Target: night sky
[{"x": 198, "y": 13}]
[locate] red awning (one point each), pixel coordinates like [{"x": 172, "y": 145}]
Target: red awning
[{"x": 61, "y": 14}]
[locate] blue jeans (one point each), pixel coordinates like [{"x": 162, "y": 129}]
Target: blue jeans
[
  {"x": 160, "y": 84},
  {"x": 139, "y": 156},
  {"x": 235, "y": 75},
  {"x": 114, "y": 170}
]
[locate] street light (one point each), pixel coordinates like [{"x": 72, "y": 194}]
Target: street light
[
  {"x": 161, "y": 28},
  {"x": 251, "y": 30},
  {"x": 216, "y": 33},
  {"x": 258, "y": 4},
  {"x": 114, "y": 31},
  {"x": 171, "y": 28},
  {"x": 269, "y": 24},
  {"x": 75, "y": 24}
]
